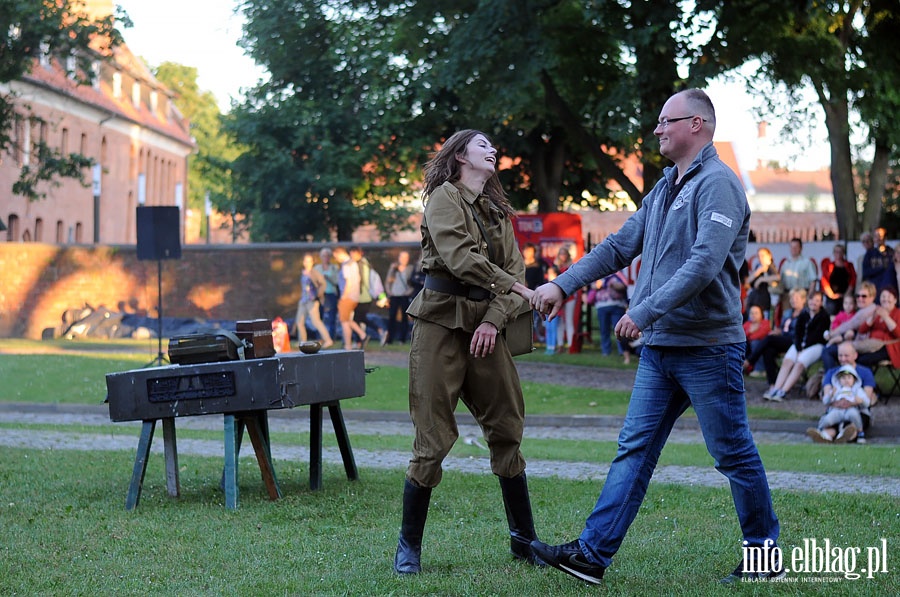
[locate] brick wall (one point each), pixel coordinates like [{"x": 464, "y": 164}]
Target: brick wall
[{"x": 39, "y": 282}]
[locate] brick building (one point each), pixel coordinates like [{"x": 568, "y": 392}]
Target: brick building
[{"x": 125, "y": 121}]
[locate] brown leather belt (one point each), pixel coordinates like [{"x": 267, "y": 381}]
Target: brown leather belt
[{"x": 456, "y": 288}]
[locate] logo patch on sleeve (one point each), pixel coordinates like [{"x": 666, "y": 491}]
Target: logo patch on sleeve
[{"x": 721, "y": 219}]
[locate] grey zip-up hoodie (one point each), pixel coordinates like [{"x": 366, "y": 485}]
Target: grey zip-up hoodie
[{"x": 692, "y": 246}]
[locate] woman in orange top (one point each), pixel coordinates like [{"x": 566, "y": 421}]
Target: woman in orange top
[{"x": 756, "y": 329}]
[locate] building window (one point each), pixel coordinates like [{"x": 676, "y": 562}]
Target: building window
[
  {"x": 71, "y": 67},
  {"x": 45, "y": 54},
  {"x": 38, "y": 230},
  {"x": 64, "y": 142},
  {"x": 60, "y": 232},
  {"x": 78, "y": 232},
  {"x": 26, "y": 144},
  {"x": 117, "y": 85},
  {"x": 95, "y": 75},
  {"x": 82, "y": 149},
  {"x": 136, "y": 94},
  {"x": 12, "y": 227},
  {"x": 17, "y": 140},
  {"x": 154, "y": 101}
]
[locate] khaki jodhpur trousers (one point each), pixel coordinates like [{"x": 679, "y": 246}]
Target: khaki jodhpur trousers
[{"x": 441, "y": 371}]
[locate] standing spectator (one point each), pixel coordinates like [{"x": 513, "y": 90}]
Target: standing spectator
[
  {"x": 400, "y": 291},
  {"x": 535, "y": 275},
  {"x": 763, "y": 281},
  {"x": 756, "y": 329},
  {"x": 867, "y": 242},
  {"x": 371, "y": 291},
  {"x": 796, "y": 272},
  {"x": 312, "y": 289},
  {"x": 891, "y": 276},
  {"x": 329, "y": 271},
  {"x": 349, "y": 287},
  {"x": 474, "y": 287},
  {"x": 877, "y": 258},
  {"x": 551, "y": 326},
  {"x": 838, "y": 276},
  {"x": 562, "y": 262},
  {"x": 610, "y": 298},
  {"x": 809, "y": 339},
  {"x": 691, "y": 232}
]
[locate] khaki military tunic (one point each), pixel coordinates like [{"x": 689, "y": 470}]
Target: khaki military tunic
[{"x": 441, "y": 369}]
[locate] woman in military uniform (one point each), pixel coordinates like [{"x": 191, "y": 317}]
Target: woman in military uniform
[{"x": 474, "y": 286}]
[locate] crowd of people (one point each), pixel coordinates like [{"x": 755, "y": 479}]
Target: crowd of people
[
  {"x": 338, "y": 291},
  {"x": 846, "y": 316}
]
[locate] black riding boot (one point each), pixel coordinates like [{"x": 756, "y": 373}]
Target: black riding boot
[
  {"x": 415, "y": 511},
  {"x": 518, "y": 515}
]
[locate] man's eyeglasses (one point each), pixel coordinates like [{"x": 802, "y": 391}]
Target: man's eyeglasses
[
  {"x": 665, "y": 122},
  {"x": 862, "y": 296}
]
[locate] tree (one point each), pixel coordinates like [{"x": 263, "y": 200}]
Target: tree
[
  {"x": 568, "y": 89},
  {"x": 56, "y": 29},
  {"x": 321, "y": 133},
  {"x": 209, "y": 169},
  {"x": 840, "y": 50}
]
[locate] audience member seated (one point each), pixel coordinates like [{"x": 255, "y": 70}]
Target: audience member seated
[
  {"x": 780, "y": 339},
  {"x": 763, "y": 280},
  {"x": 809, "y": 339},
  {"x": 848, "y": 330},
  {"x": 843, "y": 397},
  {"x": 838, "y": 276},
  {"x": 848, "y": 309},
  {"x": 755, "y": 329},
  {"x": 877, "y": 258},
  {"x": 883, "y": 329}
]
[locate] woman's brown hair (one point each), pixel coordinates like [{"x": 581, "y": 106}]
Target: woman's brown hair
[{"x": 444, "y": 167}]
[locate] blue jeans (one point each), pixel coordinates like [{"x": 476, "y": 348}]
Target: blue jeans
[
  {"x": 607, "y": 318},
  {"x": 550, "y": 331},
  {"x": 708, "y": 378},
  {"x": 329, "y": 313}
]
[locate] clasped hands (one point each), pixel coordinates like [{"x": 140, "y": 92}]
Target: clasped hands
[{"x": 548, "y": 299}]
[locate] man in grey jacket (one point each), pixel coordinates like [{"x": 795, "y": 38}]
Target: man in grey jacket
[{"x": 691, "y": 233}]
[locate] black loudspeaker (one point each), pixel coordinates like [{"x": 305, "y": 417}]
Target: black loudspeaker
[{"x": 158, "y": 232}]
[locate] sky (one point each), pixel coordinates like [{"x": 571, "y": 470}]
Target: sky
[{"x": 205, "y": 34}]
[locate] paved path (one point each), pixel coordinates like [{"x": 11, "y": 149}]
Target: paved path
[{"x": 372, "y": 423}]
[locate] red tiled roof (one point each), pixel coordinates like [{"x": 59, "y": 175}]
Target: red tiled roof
[
  {"x": 781, "y": 182},
  {"x": 172, "y": 124}
]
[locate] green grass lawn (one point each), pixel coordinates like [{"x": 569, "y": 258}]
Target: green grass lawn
[{"x": 66, "y": 530}]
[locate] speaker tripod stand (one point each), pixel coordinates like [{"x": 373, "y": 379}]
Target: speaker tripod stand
[{"x": 160, "y": 359}]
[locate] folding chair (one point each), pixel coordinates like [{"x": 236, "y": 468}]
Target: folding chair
[{"x": 895, "y": 377}]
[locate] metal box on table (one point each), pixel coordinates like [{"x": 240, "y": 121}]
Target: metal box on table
[{"x": 283, "y": 381}]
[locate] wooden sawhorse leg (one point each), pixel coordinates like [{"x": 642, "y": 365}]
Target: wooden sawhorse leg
[
  {"x": 315, "y": 443},
  {"x": 257, "y": 425},
  {"x": 170, "y": 447}
]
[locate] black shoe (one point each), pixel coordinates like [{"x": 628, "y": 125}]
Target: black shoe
[
  {"x": 739, "y": 574},
  {"x": 569, "y": 558}
]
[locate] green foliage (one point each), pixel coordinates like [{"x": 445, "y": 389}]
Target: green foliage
[
  {"x": 362, "y": 90},
  {"x": 320, "y": 133},
  {"x": 209, "y": 170},
  {"x": 59, "y": 30},
  {"x": 837, "y": 49}
]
